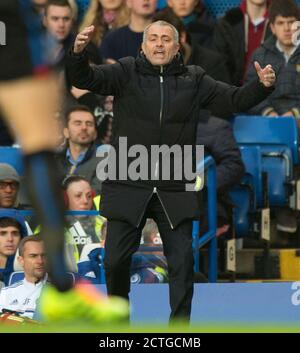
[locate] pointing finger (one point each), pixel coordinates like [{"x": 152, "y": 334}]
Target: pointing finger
[{"x": 257, "y": 66}]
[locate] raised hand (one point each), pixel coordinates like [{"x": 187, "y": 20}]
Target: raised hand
[
  {"x": 266, "y": 75},
  {"x": 83, "y": 38}
]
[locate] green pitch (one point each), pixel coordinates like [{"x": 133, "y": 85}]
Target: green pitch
[{"x": 156, "y": 328}]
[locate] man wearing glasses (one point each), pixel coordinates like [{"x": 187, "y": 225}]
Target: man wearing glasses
[{"x": 9, "y": 186}]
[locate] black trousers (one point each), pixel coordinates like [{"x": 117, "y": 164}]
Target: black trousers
[{"x": 122, "y": 242}]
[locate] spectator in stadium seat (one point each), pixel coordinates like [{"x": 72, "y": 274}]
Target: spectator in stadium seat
[
  {"x": 59, "y": 20},
  {"x": 79, "y": 196},
  {"x": 12, "y": 229},
  {"x": 157, "y": 100},
  {"x": 127, "y": 40},
  {"x": 196, "y": 19},
  {"x": 79, "y": 155},
  {"x": 239, "y": 33},
  {"x": 105, "y": 15},
  {"x": 193, "y": 53},
  {"x": 9, "y": 187},
  {"x": 22, "y": 297},
  {"x": 284, "y": 55}
]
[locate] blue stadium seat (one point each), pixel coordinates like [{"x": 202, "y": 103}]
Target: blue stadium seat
[
  {"x": 12, "y": 156},
  {"x": 217, "y": 8},
  {"x": 82, "y": 7},
  {"x": 19, "y": 276},
  {"x": 245, "y": 195},
  {"x": 90, "y": 265},
  {"x": 161, "y": 4},
  {"x": 278, "y": 140},
  {"x": 267, "y": 131},
  {"x": 278, "y": 167}
]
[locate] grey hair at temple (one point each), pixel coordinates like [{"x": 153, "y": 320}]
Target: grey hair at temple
[{"x": 161, "y": 23}]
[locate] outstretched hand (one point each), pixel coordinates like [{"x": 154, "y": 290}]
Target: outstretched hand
[
  {"x": 266, "y": 75},
  {"x": 83, "y": 38}
]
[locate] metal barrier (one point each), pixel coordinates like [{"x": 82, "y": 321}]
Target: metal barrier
[{"x": 210, "y": 235}]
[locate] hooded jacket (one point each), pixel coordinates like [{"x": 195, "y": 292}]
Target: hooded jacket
[
  {"x": 156, "y": 106},
  {"x": 9, "y": 268}
]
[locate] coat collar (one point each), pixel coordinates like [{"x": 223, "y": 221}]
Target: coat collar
[{"x": 175, "y": 67}]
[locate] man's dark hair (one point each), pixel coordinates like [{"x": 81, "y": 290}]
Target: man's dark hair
[
  {"x": 62, "y": 3},
  {"x": 70, "y": 179},
  {"x": 10, "y": 222},
  {"x": 77, "y": 108},
  {"x": 284, "y": 8},
  {"x": 35, "y": 238}
]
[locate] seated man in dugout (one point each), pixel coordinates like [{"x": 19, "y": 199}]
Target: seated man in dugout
[{"x": 21, "y": 297}]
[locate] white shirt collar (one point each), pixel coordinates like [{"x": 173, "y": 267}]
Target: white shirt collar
[
  {"x": 286, "y": 56},
  {"x": 39, "y": 284}
]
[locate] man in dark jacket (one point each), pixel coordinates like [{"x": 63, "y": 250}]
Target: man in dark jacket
[
  {"x": 239, "y": 33},
  {"x": 79, "y": 156},
  {"x": 157, "y": 101},
  {"x": 284, "y": 55}
]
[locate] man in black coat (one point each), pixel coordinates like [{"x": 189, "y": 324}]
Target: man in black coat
[{"x": 157, "y": 101}]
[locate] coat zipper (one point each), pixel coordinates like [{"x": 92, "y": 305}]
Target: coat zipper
[
  {"x": 166, "y": 213},
  {"x": 161, "y": 81},
  {"x": 144, "y": 209}
]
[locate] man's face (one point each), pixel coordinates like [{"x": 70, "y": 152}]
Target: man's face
[
  {"x": 282, "y": 29},
  {"x": 8, "y": 193},
  {"x": 33, "y": 261},
  {"x": 142, "y": 7},
  {"x": 9, "y": 240},
  {"x": 159, "y": 46},
  {"x": 80, "y": 196},
  {"x": 59, "y": 21},
  {"x": 182, "y": 8},
  {"x": 110, "y": 4},
  {"x": 81, "y": 128}
]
